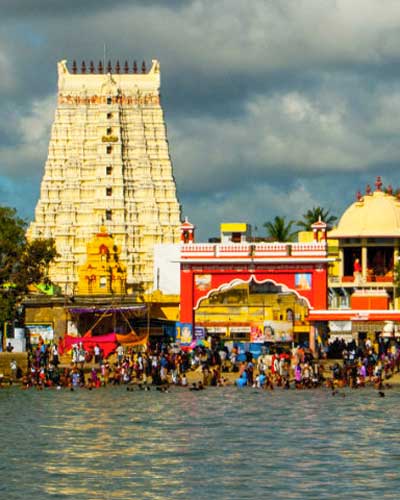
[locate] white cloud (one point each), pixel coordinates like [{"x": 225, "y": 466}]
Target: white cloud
[
  {"x": 258, "y": 36},
  {"x": 215, "y": 39},
  {"x": 32, "y": 133},
  {"x": 255, "y": 205},
  {"x": 35, "y": 125},
  {"x": 291, "y": 132},
  {"x": 264, "y": 100}
]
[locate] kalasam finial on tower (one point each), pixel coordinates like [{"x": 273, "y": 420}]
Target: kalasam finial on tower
[{"x": 378, "y": 183}]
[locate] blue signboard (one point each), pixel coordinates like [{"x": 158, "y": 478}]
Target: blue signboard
[{"x": 184, "y": 335}]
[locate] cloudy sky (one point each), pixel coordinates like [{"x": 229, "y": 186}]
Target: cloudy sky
[{"x": 272, "y": 106}]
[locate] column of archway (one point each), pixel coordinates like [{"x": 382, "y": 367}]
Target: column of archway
[
  {"x": 186, "y": 309},
  {"x": 311, "y": 340}
]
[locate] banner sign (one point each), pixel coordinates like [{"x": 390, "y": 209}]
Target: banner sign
[
  {"x": 217, "y": 329},
  {"x": 339, "y": 326},
  {"x": 240, "y": 329},
  {"x": 202, "y": 281},
  {"x": 303, "y": 281},
  {"x": 199, "y": 332},
  {"x": 272, "y": 331},
  {"x": 184, "y": 334},
  {"x": 37, "y": 330}
]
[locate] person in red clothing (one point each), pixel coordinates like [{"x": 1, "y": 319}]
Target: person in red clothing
[
  {"x": 357, "y": 270},
  {"x": 357, "y": 266},
  {"x": 275, "y": 364}
]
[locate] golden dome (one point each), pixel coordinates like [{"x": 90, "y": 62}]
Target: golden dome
[{"x": 375, "y": 214}]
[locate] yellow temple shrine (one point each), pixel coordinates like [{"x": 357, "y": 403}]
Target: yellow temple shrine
[{"x": 103, "y": 273}]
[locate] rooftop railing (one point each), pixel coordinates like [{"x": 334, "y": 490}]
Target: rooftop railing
[{"x": 254, "y": 250}]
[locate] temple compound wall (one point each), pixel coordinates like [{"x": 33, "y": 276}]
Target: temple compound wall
[{"x": 108, "y": 165}]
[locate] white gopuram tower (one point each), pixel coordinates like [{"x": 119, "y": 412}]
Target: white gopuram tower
[{"x": 108, "y": 165}]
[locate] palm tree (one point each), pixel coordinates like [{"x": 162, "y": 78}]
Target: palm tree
[
  {"x": 313, "y": 215},
  {"x": 280, "y": 230}
]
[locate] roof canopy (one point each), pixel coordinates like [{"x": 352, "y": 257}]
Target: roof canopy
[{"x": 375, "y": 214}]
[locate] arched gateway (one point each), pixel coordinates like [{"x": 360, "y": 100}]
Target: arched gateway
[{"x": 299, "y": 269}]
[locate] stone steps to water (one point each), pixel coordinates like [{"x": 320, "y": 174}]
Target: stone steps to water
[{"x": 5, "y": 359}]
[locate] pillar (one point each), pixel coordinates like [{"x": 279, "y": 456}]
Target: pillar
[
  {"x": 312, "y": 339},
  {"x": 186, "y": 309},
  {"x": 341, "y": 263},
  {"x": 364, "y": 262}
]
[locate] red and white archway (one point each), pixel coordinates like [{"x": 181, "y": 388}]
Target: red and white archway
[
  {"x": 207, "y": 268},
  {"x": 308, "y": 280}
]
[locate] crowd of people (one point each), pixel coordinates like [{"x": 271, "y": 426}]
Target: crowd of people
[
  {"x": 365, "y": 362},
  {"x": 166, "y": 364}
]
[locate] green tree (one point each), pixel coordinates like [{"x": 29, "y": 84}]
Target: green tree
[
  {"x": 22, "y": 263},
  {"x": 313, "y": 215},
  {"x": 280, "y": 230}
]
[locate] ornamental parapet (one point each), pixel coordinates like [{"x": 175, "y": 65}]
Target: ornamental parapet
[
  {"x": 91, "y": 68},
  {"x": 149, "y": 99},
  {"x": 254, "y": 250}
]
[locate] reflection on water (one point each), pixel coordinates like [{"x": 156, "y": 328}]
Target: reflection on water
[{"x": 220, "y": 443}]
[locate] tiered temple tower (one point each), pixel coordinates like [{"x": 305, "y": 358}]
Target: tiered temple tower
[{"x": 108, "y": 165}]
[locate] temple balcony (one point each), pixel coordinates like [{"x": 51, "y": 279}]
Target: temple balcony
[{"x": 371, "y": 281}]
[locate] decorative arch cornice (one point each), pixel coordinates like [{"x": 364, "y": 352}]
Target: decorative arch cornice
[{"x": 238, "y": 281}]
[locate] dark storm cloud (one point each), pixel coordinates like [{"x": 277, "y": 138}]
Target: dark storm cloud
[
  {"x": 17, "y": 9},
  {"x": 269, "y": 104}
]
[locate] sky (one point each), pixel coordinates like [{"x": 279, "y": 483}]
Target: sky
[{"x": 272, "y": 106}]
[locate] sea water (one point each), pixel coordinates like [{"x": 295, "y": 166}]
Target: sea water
[{"x": 218, "y": 443}]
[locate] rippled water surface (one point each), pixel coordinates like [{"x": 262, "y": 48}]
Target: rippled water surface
[{"x": 219, "y": 443}]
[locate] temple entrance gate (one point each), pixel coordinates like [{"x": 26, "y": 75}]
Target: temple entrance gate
[{"x": 253, "y": 312}]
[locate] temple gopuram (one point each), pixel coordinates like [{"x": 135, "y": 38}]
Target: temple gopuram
[
  {"x": 108, "y": 165},
  {"x": 107, "y": 197}
]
